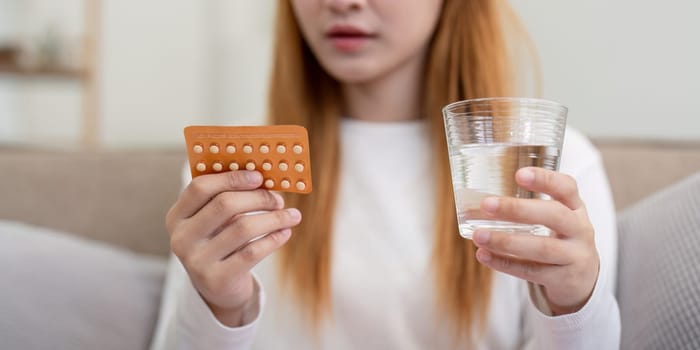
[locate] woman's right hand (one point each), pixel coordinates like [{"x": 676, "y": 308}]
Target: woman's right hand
[{"x": 211, "y": 235}]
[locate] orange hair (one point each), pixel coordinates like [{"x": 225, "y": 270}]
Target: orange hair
[{"x": 467, "y": 58}]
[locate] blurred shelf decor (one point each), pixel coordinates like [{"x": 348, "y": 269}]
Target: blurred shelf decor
[
  {"x": 38, "y": 47},
  {"x": 43, "y": 72},
  {"x": 10, "y": 64}
]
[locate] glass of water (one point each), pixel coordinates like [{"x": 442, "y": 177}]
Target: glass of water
[{"x": 488, "y": 140}]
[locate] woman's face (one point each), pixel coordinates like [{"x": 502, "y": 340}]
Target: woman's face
[{"x": 357, "y": 41}]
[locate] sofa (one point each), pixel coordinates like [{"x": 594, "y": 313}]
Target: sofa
[{"x": 83, "y": 246}]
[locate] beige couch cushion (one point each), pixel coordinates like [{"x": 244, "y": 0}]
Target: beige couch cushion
[
  {"x": 121, "y": 197},
  {"x": 637, "y": 169}
]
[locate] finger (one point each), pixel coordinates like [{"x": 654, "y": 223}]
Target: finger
[
  {"x": 248, "y": 227},
  {"x": 560, "y": 187},
  {"x": 252, "y": 253},
  {"x": 203, "y": 188},
  {"x": 531, "y": 211},
  {"x": 546, "y": 250},
  {"x": 534, "y": 272},
  {"x": 219, "y": 211}
]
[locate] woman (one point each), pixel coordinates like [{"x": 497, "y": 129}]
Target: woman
[{"x": 377, "y": 262}]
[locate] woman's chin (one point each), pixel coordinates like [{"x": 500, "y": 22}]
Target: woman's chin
[
  {"x": 352, "y": 74},
  {"x": 353, "y": 78}
]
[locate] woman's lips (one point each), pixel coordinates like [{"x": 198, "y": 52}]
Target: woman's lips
[
  {"x": 348, "y": 38},
  {"x": 349, "y": 43}
]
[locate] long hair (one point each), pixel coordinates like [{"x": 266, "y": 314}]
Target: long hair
[{"x": 467, "y": 58}]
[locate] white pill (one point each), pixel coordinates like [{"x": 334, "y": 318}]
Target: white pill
[
  {"x": 217, "y": 166},
  {"x": 267, "y": 166},
  {"x": 281, "y": 149},
  {"x": 264, "y": 149},
  {"x": 297, "y": 149},
  {"x": 301, "y": 185},
  {"x": 285, "y": 184},
  {"x": 247, "y": 149},
  {"x": 250, "y": 166},
  {"x": 214, "y": 149},
  {"x": 299, "y": 167},
  {"x": 284, "y": 166},
  {"x": 233, "y": 166},
  {"x": 201, "y": 167},
  {"x": 269, "y": 183},
  {"x": 230, "y": 149},
  {"x": 198, "y": 149}
]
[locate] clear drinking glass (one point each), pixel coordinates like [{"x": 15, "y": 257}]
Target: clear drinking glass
[{"x": 489, "y": 139}]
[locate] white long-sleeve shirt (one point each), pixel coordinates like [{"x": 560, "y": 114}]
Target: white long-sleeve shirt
[{"x": 382, "y": 295}]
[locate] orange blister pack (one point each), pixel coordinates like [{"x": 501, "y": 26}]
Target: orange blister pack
[{"x": 279, "y": 152}]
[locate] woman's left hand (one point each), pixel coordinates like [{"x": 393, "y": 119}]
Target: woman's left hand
[{"x": 565, "y": 264}]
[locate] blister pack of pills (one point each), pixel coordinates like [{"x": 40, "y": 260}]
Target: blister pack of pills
[{"x": 279, "y": 152}]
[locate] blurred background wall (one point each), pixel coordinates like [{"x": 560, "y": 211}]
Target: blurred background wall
[{"x": 626, "y": 69}]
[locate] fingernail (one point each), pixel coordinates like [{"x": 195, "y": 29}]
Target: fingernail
[
  {"x": 279, "y": 199},
  {"x": 526, "y": 176},
  {"x": 483, "y": 255},
  {"x": 254, "y": 177},
  {"x": 294, "y": 213},
  {"x": 286, "y": 233},
  {"x": 490, "y": 204},
  {"x": 482, "y": 237}
]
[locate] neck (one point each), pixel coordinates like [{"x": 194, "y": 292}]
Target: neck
[{"x": 392, "y": 97}]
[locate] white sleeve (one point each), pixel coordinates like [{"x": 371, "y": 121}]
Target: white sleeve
[
  {"x": 186, "y": 322},
  {"x": 597, "y": 324}
]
